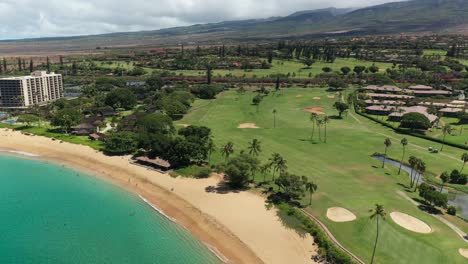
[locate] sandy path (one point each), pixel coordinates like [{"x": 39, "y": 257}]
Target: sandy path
[{"x": 237, "y": 224}]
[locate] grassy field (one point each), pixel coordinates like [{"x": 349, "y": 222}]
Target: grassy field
[
  {"x": 343, "y": 168},
  {"x": 278, "y": 67}
]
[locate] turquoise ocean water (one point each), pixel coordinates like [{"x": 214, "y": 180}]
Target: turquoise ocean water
[{"x": 51, "y": 214}]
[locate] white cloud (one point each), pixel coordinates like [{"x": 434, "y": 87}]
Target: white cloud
[{"x": 47, "y": 18}]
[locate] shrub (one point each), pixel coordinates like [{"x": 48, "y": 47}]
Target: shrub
[
  {"x": 203, "y": 173},
  {"x": 452, "y": 210}
]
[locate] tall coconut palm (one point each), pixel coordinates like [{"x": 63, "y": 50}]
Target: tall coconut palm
[
  {"x": 387, "y": 144},
  {"x": 412, "y": 161},
  {"x": 211, "y": 148},
  {"x": 313, "y": 118},
  {"x": 311, "y": 187},
  {"x": 403, "y": 142},
  {"x": 464, "y": 158},
  {"x": 326, "y": 120},
  {"x": 254, "y": 147},
  {"x": 227, "y": 150},
  {"x": 445, "y": 177},
  {"x": 446, "y": 129},
  {"x": 274, "y": 117},
  {"x": 420, "y": 168},
  {"x": 319, "y": 126},
  {"x": 273, "y": 160},
  {"x": 377, "y": 213},
  {"x": 264, "y": 169}
]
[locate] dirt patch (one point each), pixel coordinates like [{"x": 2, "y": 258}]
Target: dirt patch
[
  {"x": 184, "y": 125},
  {"x": 340, "y": 215},
  {"x": 463, "y": 252},
  {"x": 248, "y": 125},
  {"x": 317, "y": 98},
  {"x": 411, "y": 223},
  {"x": 315, "y": 110},
  {"x": 299, "y": 96},
  {"x": 331, "y": 96}
]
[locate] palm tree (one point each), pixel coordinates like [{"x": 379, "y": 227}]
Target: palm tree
[
  {"x": 264, "y": 170},
  {"x": 326, "y": 120},
  {"x": 313, "y": 118},
  {"x": 420, "y": 168},
  {"x": 311, "y": 187},
  {"x": 274, "y": 117},
  {"x": 445, "y": 177},
  {"x": 278, "y": 163},
  {"x": 446, "y": 129},
  {"x": 403, "y": 142},
  {"x": 227, "y": 150},
  {"x": 413, "y": 161},
  {"x": 211, "y": 148},
  {"x": 377, "y": 213},
  {"x": 319, "y": 126},
  {"x": 254, "y": 147},
  {"x": 387, "y": 144},
  {"x": 464, "y": 158}
]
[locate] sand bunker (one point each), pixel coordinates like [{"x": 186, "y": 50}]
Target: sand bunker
[
  {"x": 316, "y": 110},
  {"x": 299, "y": 96},
  {"x": 317, "y": 98},
  {"x": 463, "y": 252},
  {"x": 248, "y": 125},
  {"x": 338, "y": 214},
  {"x": 411, "y": 223},
  {"x": 331, "y": 96},
  {"x": 184, "y": 125}
]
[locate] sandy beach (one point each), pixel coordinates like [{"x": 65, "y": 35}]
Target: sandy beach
[{"x": 235, "y": 225}]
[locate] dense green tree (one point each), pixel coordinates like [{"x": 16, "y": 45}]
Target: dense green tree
[
  {"x": 341, "y": 108},
  {"x": 292, "y": 185},
  {"x": 239, "y": 169},
  {"x": 415, "y": 121},
  {"x": 122, "y": 142},
  {"x": 66, "y": 119},
  {"x": 345, "y": 70},
  {"x": 121, "y": 98}
]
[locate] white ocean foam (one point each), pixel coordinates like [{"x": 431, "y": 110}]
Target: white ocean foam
[
  {"x": 23, "y": 153},
  {"x": 211, "y": 248}
]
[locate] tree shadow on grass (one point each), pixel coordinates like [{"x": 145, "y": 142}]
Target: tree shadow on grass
[
  {"x": 223, "y": 188},
  {"x": 429, "y": 209},
  {"x": 407, "y": 188}
]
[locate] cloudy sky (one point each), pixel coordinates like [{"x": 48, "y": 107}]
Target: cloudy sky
[{"x": 46, "y": 18}]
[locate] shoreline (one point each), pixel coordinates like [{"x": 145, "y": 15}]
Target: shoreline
[{"x": 250, "y": 234}]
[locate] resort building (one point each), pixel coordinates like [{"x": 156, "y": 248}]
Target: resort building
[{"x": 39, "y": 88}]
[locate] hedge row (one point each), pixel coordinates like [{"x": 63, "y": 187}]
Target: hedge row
[
  {"x": 407, "y": 132},
  {"x": 327, "y": 248}
]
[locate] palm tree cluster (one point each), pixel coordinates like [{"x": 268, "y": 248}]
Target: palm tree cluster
[
  {"x": 319, "y": 122},
  {"x": 418, "y": 167}
]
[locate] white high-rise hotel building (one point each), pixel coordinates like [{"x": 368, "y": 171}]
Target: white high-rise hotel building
[{"x": 38, "y": 89}]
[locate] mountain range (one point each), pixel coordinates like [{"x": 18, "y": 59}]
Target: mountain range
[{"x": 413, "y": 17}]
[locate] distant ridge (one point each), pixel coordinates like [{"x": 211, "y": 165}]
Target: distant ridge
[{"x": 416, "y": 16}]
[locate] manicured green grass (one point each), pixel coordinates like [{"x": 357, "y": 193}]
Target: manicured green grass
[
  {"x": 290, "y": 66},
  {"x": 278, "y": 67},
  {"x": 343, "y": 168}
]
